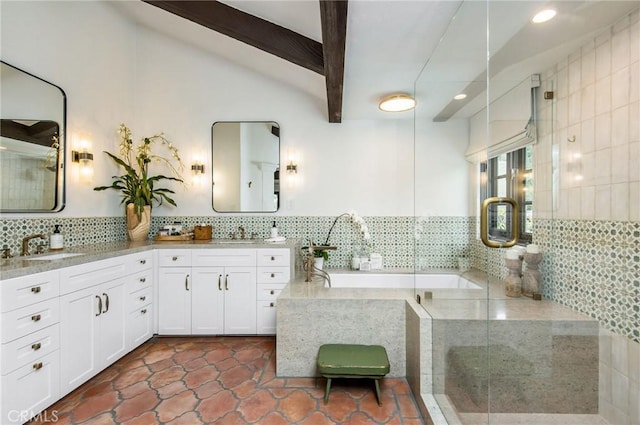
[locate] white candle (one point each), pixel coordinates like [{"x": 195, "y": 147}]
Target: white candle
[
  {"x": 533, "y": 249},
  {"x": 512, "y": 254}
]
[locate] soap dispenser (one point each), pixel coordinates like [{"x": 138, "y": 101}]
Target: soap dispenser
[
  {"x": 274, "y": 231},
  {"x": 56, "y": 240}
]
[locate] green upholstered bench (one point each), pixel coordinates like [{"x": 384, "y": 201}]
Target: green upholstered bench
[{"x": 352, "y": 361}]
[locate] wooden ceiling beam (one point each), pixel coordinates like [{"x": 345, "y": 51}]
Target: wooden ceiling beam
[
  {"x": 249, "y": 29},
  {"x": 333, "y": 16}
]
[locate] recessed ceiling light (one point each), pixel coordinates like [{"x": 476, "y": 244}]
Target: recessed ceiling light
[
  {"x": 543, "y": 16},
  {"x": 397, "y": 103},
  {"x": 460, "y": 96}
]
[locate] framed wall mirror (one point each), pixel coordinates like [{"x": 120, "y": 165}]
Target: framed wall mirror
[
  {"x": 246, "y": 166},
  {"x": 32, "y": 142}
]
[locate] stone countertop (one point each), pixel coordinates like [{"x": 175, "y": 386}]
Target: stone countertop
[
  {"x": 22, "y": 266},
  {"x": 447, "y": 304}
]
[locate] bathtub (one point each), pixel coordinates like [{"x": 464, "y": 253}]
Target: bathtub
[{"x": 401, "y": 280}]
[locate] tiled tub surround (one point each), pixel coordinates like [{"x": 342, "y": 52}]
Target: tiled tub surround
[{"x": 559, "y": 345}]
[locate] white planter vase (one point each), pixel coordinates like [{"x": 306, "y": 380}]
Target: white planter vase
[{"x": 318, "y": 263}]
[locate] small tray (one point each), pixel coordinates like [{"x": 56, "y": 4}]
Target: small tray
[{"x": 161, "y": 238}]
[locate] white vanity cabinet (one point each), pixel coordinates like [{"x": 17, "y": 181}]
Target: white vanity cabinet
[
  {"x": 273, "y": 273},
  {"x": 93, "y": 319},
  {"x": 215, "y": 296},
  {"x": 30, "y": 356},
  {"x": 224, "y": 291}
]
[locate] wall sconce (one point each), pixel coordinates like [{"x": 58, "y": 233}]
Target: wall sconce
[
  {"x": 197, "y": 173},
  {"x": 292, "y": 167},
  {"x": 85, "y": 164}
]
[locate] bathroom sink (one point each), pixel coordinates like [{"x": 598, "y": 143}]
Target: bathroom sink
[
  {"x": 236, "y": 241},
  {"x": 55, "y": 256}
]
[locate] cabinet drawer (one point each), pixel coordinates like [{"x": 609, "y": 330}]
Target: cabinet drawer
[
  {"x": 91, "y": 274},
  {"x": 273, "y": 274},
  {"x": 266, "y": 317},
  {"x": 29, "y": 348},
  {"x": 269, "y": 292},
  {"x": 139, "y": 299},
  {"x": 224, "y": 258},
  {"x": 174, "y": 258},
  {"x": 273, "y": 257},
  {"x": 139, "y": 326},
  {"x": 139, "y": 281},
  {"x": 139, "y": 261},
  {"x": 21, "y": 322},
  {"x": 26, "y": 290},
  {"x": 30, "y": 389}
]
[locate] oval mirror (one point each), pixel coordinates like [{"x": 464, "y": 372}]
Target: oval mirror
[
  {"x": 32, "y": 140},
  {"x": 246, "y": 166}
]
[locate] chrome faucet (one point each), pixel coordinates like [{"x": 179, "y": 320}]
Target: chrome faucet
[
  {"x": 25, "y": 242},
  {"x": 242, "y": 232}
]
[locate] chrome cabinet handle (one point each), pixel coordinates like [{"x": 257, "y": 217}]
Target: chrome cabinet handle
[
  {"x": 273, "y": 258},
  {"x": 143, "y": 311},
  {"x": 219, "y": 282},
  {"x": 186, "y": 282},
  {"x": 99, "y": 305},
  {"x": 174, "y": 258},
  {"x": 37, "y": 366},
  {"x": 36, "y": 346},
  {"x": 106, "y": 302},
  {"x": 515, "y": 222},
  {"x": 273, "y": 275},
  {"x": 272, "y": 305},
  {"x": 36, "y": 317},
  {"x": 272, "y": 292},
  {"x": 36, "y": 289},
  {"x": 142, "y": 298},
  {"x": 143, "y": 261},
  {"x": 226, "y": 282},
  {"x": 143, "y": 279}
]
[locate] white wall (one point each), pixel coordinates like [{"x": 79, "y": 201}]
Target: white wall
[{"x": 113, "y": 72}]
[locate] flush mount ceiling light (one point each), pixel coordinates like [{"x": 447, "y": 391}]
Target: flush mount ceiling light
[
  {"x": 397, "y": 103},
  {"x": 543, "y": 16},
  {"x": 460, "y": 96}
]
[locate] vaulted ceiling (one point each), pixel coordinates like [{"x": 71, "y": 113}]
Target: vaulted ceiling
[{"x": 350, "y": 55}]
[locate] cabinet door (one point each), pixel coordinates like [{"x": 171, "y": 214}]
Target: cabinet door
[
  {"x": 139, "y": 326},
  {"x": 113, "y": 341},
  {"x": 207, "y": 301},
  {"x": 79, "y": 338},
  {"x": 174, "y": 301},
  {"x": 240, "y": 300}
]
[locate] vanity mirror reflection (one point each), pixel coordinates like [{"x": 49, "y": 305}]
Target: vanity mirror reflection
[
  {"x": 32, "y": 140},
  {"x": 246, "y": 166}
]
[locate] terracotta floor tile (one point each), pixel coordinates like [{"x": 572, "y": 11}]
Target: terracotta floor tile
[
  {"x": 257, "y": 405},
  {"x": 147, "y": 418},
  {"x": 217, "y": 406},
  {"x": 132, "y": 407},
  {"x": 176, "y": 406},
  {"x": 297, "y": 405},
  {"x": 134, "y": 390},
  {"x": 95, "y": 405},
  {"x": 197, "y": 377},
  {"x": 234, "y": 377},
  {"x": 224, "y": 380}
]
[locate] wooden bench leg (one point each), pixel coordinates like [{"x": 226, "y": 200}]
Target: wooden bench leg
[
  {"x": 326, "y": 391},
  {"x": 378, "y": 392}
]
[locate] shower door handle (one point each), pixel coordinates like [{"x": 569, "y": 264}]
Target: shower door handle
[{"x": 515, "y": 222}]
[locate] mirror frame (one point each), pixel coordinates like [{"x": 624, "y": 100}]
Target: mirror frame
[
  {"x": 276, "y": 185},
  {"x": 60, "y": 187}
]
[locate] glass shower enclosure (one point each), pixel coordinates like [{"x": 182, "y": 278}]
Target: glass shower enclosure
[{"x": 505, "y": 175}]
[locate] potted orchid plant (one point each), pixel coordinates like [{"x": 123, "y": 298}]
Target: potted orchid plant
[{"x": 138, "y": 189}]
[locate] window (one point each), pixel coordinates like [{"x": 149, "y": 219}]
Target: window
[{"x": 511, "y": 175}]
